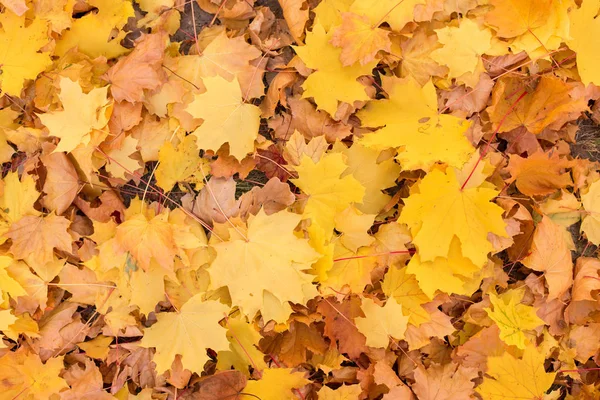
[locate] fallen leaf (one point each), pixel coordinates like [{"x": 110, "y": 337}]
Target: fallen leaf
[
  {"x": 359, "y": 40},
  {"x": 276, "y": 384},
  {"x": 514, "y": 378},
  {"x": 512, "y": 18},
  {"x": 448, "y": 382},
  {"x": 36, "y": 238},
  {"x": 467, "y": 214},
  {"x": 20, "y": 59},
  {"x": 25, "y": 376},
  {"x": 227, "y": 119},
  {"x": 221, "y": 386},
  {"x": 140, "y": 70},
  {"x": 81, "y": 114},
  {"x": 551, "y": 104},
  {"x": 332, "y": 82},
  {"x": 424, "y": 137},
  {"x": 513, "y": 318},
  {"x": 550, "y": 254},
  {"x": 295, "y": 13},
  {"x": 97, "y": 28},
  {"x": 539, "y": 174},
  {"x": 268, "y": 257},
  {"x": 381, "y": 323},
  {"x": 62, "y": 183},
  {"x": 328, "y": 193},
  {"x": 172, "y": 334},
  {"x": 458, "y": 58}
]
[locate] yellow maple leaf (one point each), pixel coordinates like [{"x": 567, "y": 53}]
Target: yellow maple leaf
[
  {"x": 146, "y": 238},
  {"x": 147, "y": 287},
  {"x": 328, "y": 194},
  {"x": 395, "y": 13},
  {"x": 346, "y": 392},
  {"x": 243, "y": 348},
  {"x": 226, "y": 57},
  {"x": 585, "y": 25},
  {"x": 81, "y": 114},
  {"x": 321, "y": 243},
  {"x": 270, "y": 258},
  {"x": 354, "y": 225},
  {"x": 8, "y": 285},
  {"x": 411, "y": 122},
  {"x": 381, "y": 323},
  {"x": 24, "y": 376},
  {"x": 555, "y": 30},
  {"x": 441, "y": 210},
  {"x": 331, "y": 81},
  {"x": 178, "y": 164},
  {"x": 513, "y": 378},
  {"x": 35, "y": 238},
  {"x": 513, "y": 318},
  {"x": 227, "y": 119},
  {"x": 19, "y": 56},
  {"x": 359, "y": 40},
  {"x": 329, "y": 361},
  {"x": 512, "y": 18},
  {"x": 188, "y": 332},
  {"x": 24, "y": 324},
  {"x": 97, "y": 347},
  {"x": 403, "y": 287},
  {"x": 350, "y": 270},
  {"x": 19, "y": 197},
  {"x": 564, "y": 208},
  {"x": 92, "y": 33},
  {"x": 276, "y": 384},
  {"x": 374, "y": 174},
  {"x": 119, "y": 318},
  {"x": 6, "y": 320},
  {"x": 7, "y": 124},
  {"x": 453, "y": 273},
  {"x": 457, "y": 56},
  {"x": 58, "y": 13},
  {"x": 120, "y": 163},
  {"x": 329, "y": 12}
]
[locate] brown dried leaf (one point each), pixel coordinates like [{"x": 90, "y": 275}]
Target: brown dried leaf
[
  {"x": 216, "y": 201},
  {"x": 35, "y": 238},
  {"x": 339, "y": 324},
  {"x": 140, "y": 70},
  {"x": 539, "y": 174},
  {"x": 550, "y": 254},
  {"x": 62, "y": 183},
  {"x": 444, "y": 382},
  {"x": 226, "y": 385},
  {"x": 309, "y": 121},
  {"x": 273, "y": 197}
]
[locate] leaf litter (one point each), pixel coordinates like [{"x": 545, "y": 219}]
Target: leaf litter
[{"x": 299, "y": 199}]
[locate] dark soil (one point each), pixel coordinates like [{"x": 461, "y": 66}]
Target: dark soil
[
  {"x": 185, "y": 33},
  {"x": 587, "y": 143}
]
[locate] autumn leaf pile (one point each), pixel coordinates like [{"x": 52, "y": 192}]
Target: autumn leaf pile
[{"x": 299, "y": 199}]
